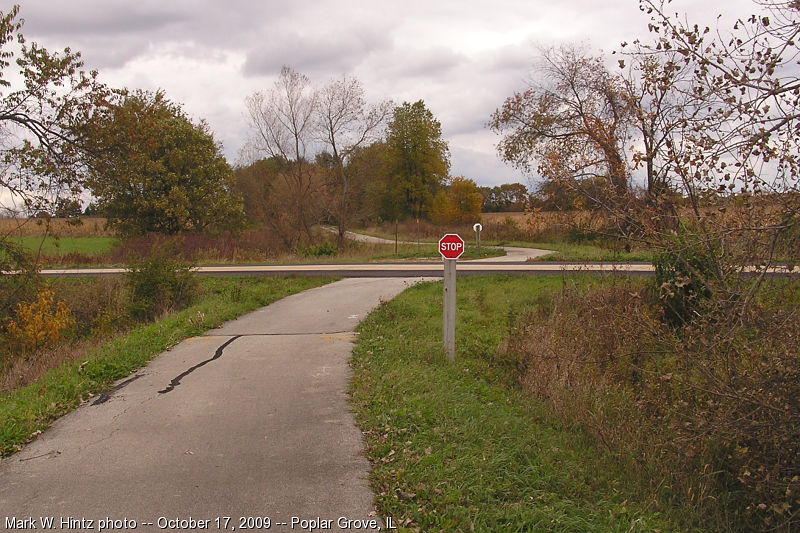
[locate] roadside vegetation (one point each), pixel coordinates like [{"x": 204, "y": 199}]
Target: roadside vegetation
[{"x": 573, "y": 405}]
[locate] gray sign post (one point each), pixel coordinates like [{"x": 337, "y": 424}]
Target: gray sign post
[
  {"x": 451, "y": 246},
  {"x": 478, "y": 228}
]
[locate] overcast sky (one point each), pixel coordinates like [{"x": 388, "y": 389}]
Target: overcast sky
[{"x": 462, "y": 57}]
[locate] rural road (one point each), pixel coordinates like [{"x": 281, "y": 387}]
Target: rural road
[{"x": 250, "y": 420}]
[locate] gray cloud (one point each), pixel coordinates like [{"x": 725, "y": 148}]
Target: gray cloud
[
  {"x": 327, "y": 53},
  {"x": 462, "y": 58}
]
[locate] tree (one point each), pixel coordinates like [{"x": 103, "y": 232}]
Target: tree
[
  {"x": 734, "y": 128},
  {"x": 419, "y": 159},
  {"x": 573, "y": 127},
  {"x": 370, "y": 165},
  {"x": 284, "y": 121},
  {"x": 156, "y": 171},
  {"x": 505, "y": 197},
  {"x": 458, "y": 202},
  {"x": 42, "y": 105},
  {"x": 44, "y": 98},
  {"x": 254, "y": 182},
  {"x": 264, "y": 187},
  {"x": 347, "y": 123}
]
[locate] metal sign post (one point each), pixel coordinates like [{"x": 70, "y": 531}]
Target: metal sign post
[
  {"x": 451, "y": 246},
  {"x": 478, "y": 228}
]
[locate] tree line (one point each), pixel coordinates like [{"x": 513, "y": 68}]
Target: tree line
[{"x": 314, "y": 154}]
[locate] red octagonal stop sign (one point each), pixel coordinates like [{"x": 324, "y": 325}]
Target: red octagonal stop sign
[{"x": 451, "y": 246}]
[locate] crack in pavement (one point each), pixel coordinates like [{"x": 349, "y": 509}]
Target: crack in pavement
[
  {"x": 297, "y": 334},
  {"x": 104, "y": 397},
  {"x": 177, "y": 380}
]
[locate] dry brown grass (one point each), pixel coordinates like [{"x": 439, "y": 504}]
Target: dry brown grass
[
  {"x": 23, "y": 371},
  {"x": 708, "y": 413},
  {"x": 35, "y": 227},
  {"x": 98, "y": 307}
]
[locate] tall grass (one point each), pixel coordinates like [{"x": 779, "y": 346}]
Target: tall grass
[{"x": 707, "y": 416}]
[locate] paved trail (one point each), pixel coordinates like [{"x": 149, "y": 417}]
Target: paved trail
[
  {"x": 513, "y": 254},
  {"x": 250, "y": 420}
]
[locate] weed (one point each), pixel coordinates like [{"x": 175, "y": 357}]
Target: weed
[
  {"x": 705, "y": 412},
  {"x": 323, "y": 249}
]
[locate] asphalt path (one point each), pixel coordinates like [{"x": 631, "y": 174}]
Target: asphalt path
[
  {"x": 513, "y": 254},
  {"x": 249, "y": 421}
]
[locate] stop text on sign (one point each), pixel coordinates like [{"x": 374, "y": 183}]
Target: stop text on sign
[{"x": 451, "y": 246}]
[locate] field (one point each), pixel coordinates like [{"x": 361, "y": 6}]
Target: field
[
  {"x": 52, "y": 246},
  {"x": 572, "y": 235},
  {"x": 58, "y": 227}
]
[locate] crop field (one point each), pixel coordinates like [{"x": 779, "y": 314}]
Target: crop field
[{"x": 59, "y": 227}]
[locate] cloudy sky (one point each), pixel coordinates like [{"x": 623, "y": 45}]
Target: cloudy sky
[{"x": 462, "y": 57}]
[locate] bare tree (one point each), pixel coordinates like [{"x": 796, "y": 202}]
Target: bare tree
[
  {"x": 284, "y": 120},
  {"x": 734, "y": 130},
  {"x": 347, "y": 123},
  {"x": 573, "y": 125}
]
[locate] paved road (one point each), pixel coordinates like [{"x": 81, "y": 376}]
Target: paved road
[
  {"x": 412, "y": 269},
  {"x": 250, "y": 420}
]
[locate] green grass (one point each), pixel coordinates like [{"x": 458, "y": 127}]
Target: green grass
[
  {"x": 458, "y": 446},
  {"x": 567, "y": 251},
  {"x": 429, "y": 251},
  {"x": 66, "y": 245},
  {"x": 31, "y": 409}
]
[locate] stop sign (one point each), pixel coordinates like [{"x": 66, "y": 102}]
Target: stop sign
[{"x": 451, "y": 246}]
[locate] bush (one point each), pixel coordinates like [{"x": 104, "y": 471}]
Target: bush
[
  {"x": 685, "y": 271},
  {"x": 158, "y": 285},
  {"x": 326, "y": 248},
  {"x": 40, "y": 323}
]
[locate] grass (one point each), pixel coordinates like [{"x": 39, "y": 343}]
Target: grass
[
  {"x": 568, "y": 251},
  {"x": 29, "y": 410},
  {"x": 458, "y": 446},
  {"x": 90, "y": 246},
  {"x": 412, "y": 252}
]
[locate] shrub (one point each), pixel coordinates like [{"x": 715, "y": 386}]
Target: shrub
[
  {"x": 326, "y": 248},
  {"x": 684, "y": 275},
  {"x": 40, "y": 323},
  {"x": 157, "y": 285}
]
